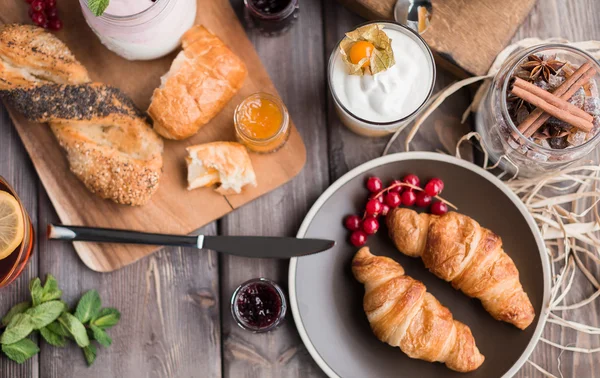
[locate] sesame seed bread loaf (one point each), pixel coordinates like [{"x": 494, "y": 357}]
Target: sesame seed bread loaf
[{"x": 109, "y": 145}]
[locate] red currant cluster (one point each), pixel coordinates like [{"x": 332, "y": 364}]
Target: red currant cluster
[
  {"x": 407, "y": 192},
  {"x": 44, "y": 13}
]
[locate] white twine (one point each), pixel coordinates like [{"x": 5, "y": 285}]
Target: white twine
[{"x": 551, "y": 201}]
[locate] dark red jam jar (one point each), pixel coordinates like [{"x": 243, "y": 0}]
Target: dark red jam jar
[
  {"x": 258, "y": 305},
  {"x": 271, "y": 17}
]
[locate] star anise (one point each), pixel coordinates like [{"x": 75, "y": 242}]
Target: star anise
[
  {"x": 541, "y": 66},
  {"x": 516, "y": 102}
]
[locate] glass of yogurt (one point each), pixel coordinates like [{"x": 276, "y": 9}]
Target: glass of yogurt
[
  {"x": 379, "y": 104},
  {"x": 142, "y": 29}
]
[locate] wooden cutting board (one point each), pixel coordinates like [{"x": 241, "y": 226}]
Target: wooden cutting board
[
  {"x": 465, "y": 35},
  {"x": 172, "y": 209}
]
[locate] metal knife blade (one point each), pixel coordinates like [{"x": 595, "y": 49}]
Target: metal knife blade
[{"x": 264, "y": 246}]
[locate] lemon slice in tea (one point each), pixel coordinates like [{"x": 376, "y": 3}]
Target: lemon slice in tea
[{"x": 11, "y": 224}]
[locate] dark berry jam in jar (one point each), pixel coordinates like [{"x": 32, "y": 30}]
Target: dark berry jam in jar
[
  {"x": 258, "y": 305},
  {"x": 271, "y": 17}
]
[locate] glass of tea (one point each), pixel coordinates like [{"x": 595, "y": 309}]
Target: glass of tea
[{"x": 16, "y": 234}]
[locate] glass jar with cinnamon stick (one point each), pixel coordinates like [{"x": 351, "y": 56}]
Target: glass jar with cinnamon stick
[{"x": 542, "y": 111}]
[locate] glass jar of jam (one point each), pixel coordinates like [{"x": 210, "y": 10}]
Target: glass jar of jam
[
  {"x": 271, "y": 17},
  {"x": 258, "y": 305},
  {"x": 262, "y": 123}
]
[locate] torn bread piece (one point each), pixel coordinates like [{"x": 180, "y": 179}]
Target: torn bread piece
[
  {"x": 202, "y": 79},
  {"x": 225, "y": 164}
]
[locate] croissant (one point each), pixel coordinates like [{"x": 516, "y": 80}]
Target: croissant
[
  {"x": 110, "y": 147},
  {"x": 402, "y": 313},
  {"x": 457, "y": 249}
]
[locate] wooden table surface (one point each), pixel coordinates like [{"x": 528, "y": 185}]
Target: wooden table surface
[{"x": 176, "y": 320}]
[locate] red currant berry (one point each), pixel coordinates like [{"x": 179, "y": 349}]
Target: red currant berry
[
  {"x": 353, "y": 222},
  {"x": 397, "y": 189},
  {"x": 374, "y": 184},
  {"x": 385, "y": 209},
  {"x": 439, "y": 208},
  {"x": 38, "y": 18},
  {"x": 423, "y": 199},
  {"x": 373, "y": 207},
  {"x": 55, "y": 24},
  {"x": 50, "y": 3},
  {"x": 408, "y": 198},
  {"x": 411, "y": 179},
  {"x": 434, "y": 187},
  {"x": 380, "y": 198},
  {"x": 51, "y": 13},
  {"x": 38, "y": 5},
  {"x": 392, "y": 199},
  {"x": 358, "y": 238},
  {"x": 370, "y": 225},
  {"x": 30, "y": 12}
]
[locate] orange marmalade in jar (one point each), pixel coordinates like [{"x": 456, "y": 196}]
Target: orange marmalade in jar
[{"x": 262, "y": 123}]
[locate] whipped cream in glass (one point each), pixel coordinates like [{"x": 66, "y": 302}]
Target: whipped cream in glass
[
  {"x": 142, "y": 29},
  {"x": 376, "y": 105}
]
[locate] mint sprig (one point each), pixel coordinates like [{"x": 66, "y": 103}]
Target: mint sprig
[
  {"x": 49, "y": 315},
  {"x": 97, "y": 6}
]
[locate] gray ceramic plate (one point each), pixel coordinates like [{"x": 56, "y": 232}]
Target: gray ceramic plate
[{"x": 326, "y": 301}]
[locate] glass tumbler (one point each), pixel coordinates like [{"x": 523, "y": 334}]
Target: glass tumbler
[{"x": 12, "y": 266}]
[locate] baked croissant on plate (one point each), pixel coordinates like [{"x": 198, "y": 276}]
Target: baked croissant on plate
[
  {"x": 457, "y": 249},
  {"x": 403, "y": 314}
]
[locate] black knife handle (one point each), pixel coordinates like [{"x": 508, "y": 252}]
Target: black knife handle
[{"x": 109, "y": 235}]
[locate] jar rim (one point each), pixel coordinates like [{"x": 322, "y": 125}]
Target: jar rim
[
  {"x": 285, "y": 12},
  {"x": 504, "y": 106},
  {"x": 378, "y": 125},
  {"x": 282, "y": 127},
  {"x": 280, "y": 316}
]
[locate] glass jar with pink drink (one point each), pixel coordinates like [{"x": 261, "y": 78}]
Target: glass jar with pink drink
[{"x": 142, "y": 29}]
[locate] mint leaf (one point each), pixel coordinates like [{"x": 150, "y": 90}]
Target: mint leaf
[
  {"x": 106, "y": 318},
  {"x": 88, "y": 306},
  {"x": 19, "y": 327},
  {"x": 75, "y": 328},
  {"x": 35, "y": 287},
  {"x": 97, "y": 6},
  {"x": 19, "y": 308},
  {"x": 53, "y": 338},
  {"x": 90, "y": 354},
  {"x": 21, "y": 351},
  {"x": 45, "y": 313},
  {"x": 101, "y": 336},
  {"x": 56, "y": 327},
  {"x": 51, "y": 290}
]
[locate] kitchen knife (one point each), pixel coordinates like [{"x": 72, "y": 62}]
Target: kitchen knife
[{"x": 246, "y": 246}]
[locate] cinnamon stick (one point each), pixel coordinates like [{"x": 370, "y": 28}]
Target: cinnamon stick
[
  {"x": 552, "y": 99},
  {"x": 543, "y": 117},
  {"x": 537, "y": 118},
  {"x": 554, "y": 111}
]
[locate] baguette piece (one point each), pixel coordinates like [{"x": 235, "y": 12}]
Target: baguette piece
[
  {"x": 202, "y": 79},
  {"x": 110, "y": 147},
  {"x": 225, "y": 164},
  {"x": 30, "y": 55},
  {"x": 457, "y": 249},
  {"x": 403, "y": 314}
]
